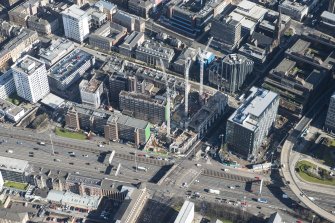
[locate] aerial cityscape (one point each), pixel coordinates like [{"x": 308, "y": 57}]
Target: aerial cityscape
[{"x": 167, "y": 111}]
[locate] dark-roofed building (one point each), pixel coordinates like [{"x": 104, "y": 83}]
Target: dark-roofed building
[
  {"x": 11, "y": 216},
  {"x": 83, "y": 185},
  {"x": 296, "y": 84}
]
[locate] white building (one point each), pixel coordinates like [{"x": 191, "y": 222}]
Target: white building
[
  {"x": 7, "y": 84},
  {"x": 70, "y": 69},
  {"x": 11, "y": 111},
  {"x": 330, "y": 120},
  {"x": 248, "y": 126},
  {"x": 186, "y": 213},
  {"x": 1, "y": 182},
  {"x": 76, "y": 23},
  {"x": 31, "y": 81},
  {"x": 90, "y": 92},
  {"x": 295, "y": 10}
]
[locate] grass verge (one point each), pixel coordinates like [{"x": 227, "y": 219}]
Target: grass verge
[{"x": 72, "y": 135}]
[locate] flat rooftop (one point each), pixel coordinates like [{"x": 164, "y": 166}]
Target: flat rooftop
[
  {"x": 69, "y": 198},
  {"x": 53, "y": 101},
  {"x": 69, "y": 64},
  {"x": 10, "y": 108},
  {"x": 156, "y": 49},
  {"x": 251, "y": 10},
  {"x": 77, "y": 179},
  {"x": 58, "y": 48},
  {"x": 11, "y": 164},
  {"x": 253, "y": 106},
  {"x": 28, "y": 65},
  {"x": 75, "y": 12},
  {"x": 90, "y": 86}
]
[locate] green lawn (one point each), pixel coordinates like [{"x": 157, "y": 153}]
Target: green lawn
[
  {"x": 17, "y": 185},
  {"x": 331, "y": 143},
  {"x": 14, "y": 99},
  {"x": 301, "y": 165},
  {"x": 68, "y": 134}
]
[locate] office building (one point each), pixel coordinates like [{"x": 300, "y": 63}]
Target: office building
[
  {"x": 140, "y": 7},
  {"x": 44, "y": 23},
  {"x": 132, "y": 41},
  {"x": 8, "y": 215},
  {"x": 132, "y": 205},
  {"x": 58, "y": 48},
  {"x": 106, "y": 7},
  {"x": 17, "y": 46},
  {"x": 226, "y": 32},
  {"x": 211, "y": 111},
  {"x": 68, "y": 198},
  {"x": 31, "y": 80},
  {"x": 330, "y": 119},
  {"x": 251, "y": 10},
  {"x": 117, "y": 82},
  {"x": 90, "y": 92},
  {"x": 331, "y": 7},
  {"x": 107, "y": 36},
  {"x": 190, "y": 18},
  {"x": 84, "y": 186},
  {"x": 123, "y": 127},
  {"x": 7, "y": 84},
  {"x": 296, "y": 10},
  {"x": 186, "y": 213},
  {"x": 230, "y": 73},
  {"x": 13, "y": 169},
  {"x": 328, "y": 19},
  {"x": 143, "y": 107},
  {"x": 249, "y": 125},
  {"x": 255, "y": 53},
  {"x": 152, "y": 52},
  {"x": 72, "y": 119},
  {"x": 131, "y": 22},
  {"x": 70, "y": 69},
  {"x": 75, "y": 23},
  {"x": 10, "y": 111}
]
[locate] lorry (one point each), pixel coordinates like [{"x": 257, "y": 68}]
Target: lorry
[{"x": 212, "y": 191}]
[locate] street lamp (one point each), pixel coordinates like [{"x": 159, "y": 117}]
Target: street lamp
[{"x": 313, "y": 218}]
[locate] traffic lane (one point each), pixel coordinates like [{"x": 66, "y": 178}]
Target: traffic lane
[{"x": 74, "y": 146}]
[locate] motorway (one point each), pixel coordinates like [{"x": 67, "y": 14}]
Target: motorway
[{"x": 287, "y": 156}]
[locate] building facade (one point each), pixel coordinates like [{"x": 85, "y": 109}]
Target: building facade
[
  {"x": 31, "y": 81},
  {"x": 75, "y": 23},
  {"x": 143, "y": 107},
  {"x": 330, "y": 119},
  {"x": 231, "y": 72},
  {"x": 248, "y": 126},
  {"x": 7, "y": 84},
  {"x": 226, "y": 32},
  {"x": 90, "y": 92}
]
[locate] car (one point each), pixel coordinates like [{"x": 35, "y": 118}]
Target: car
[
  {"x": 19, "y": 143},
  {"x": 71, "y": 163},
  {"x": 57, "y": 160},
  {"x": 85, "y": 155},
  {"x": 88, "y": 164},
  {"x": 36, "y": 148},
  {"x": 259, "y": 207}
]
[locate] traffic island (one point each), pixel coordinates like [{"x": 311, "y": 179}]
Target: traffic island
[{"x": 314, "y": 174}]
